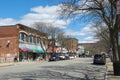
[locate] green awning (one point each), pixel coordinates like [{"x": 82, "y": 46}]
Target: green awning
[
  {"x": 31, "y": 48},
  {"x": 80, "y": 53}
]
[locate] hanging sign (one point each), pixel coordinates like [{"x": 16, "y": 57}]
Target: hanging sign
[{"x": 118, "y": 7}]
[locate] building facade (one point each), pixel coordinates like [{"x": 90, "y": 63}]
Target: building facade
[
  {"x": 22, "y": 42},
  {"x": 93, "y": 48},
  {"x": 71, "y": 44}
]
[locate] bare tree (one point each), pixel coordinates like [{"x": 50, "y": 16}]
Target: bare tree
[
  {"x": 43, "y": 38},
  {"x": 102, "y": 10},
  {"x": 102, "y": 33},
  {"x": 54, "y": 33},
  {"x": 60, "y": 38}
]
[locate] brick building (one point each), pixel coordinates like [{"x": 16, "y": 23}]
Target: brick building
[
  {"x": 20, "y": 41},
  {"x": 71, "y": 44}
]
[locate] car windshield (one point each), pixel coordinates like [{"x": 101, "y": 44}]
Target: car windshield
[{"x": 98, "y": 56}]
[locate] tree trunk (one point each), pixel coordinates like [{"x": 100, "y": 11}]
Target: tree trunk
[
  {"x": 45, "y": 56},
  {"x": 115, "y": 47}
]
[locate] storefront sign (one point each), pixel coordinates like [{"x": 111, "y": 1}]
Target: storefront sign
[{"x": 118, "y": 7}]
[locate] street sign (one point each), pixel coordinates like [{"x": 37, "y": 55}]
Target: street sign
[
  {"x": 118, "y": 7},
  {"x": 119, "y": 38}
]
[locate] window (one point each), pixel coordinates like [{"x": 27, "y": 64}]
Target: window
[
  {"x": 44, "y": 40},
  {"x": 31, "y": 39},
  {"x": 23, "y": 37},
  {"x": 38, "y": 40}
]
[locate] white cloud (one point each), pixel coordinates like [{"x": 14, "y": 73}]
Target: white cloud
[
  {"x": 88, "y": 29},
  {"x": 89, "y": 39},
  {"x": 84, "y": 32},
  {"x": 7, "y": 21},
  {"x": 48, "y": 14},
  {"x": 74, "y": 33}
]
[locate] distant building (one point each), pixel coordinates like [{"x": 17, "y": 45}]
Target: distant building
[
  {"x": 93, "y": 48},
  {"x": 22, "y": 42},
  {"x": 71, "y": 44},
  {"x": 52, "y": 46}
]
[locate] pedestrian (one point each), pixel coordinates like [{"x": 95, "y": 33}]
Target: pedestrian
[
  {"x": 111, "y": 54},
  {"x": 15, "y": 59}
]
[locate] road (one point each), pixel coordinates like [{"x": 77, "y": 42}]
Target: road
[{"x": 77, "y": 69}]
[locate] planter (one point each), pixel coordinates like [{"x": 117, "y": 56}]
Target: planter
[{"x": 116, "y": 68}]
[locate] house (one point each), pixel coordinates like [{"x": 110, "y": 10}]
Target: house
[{"x": 22, "y": 42}]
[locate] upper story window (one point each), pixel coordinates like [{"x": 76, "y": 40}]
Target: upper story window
[
  {"x": 23, "y": 37},
  {"x": 31, "y": 39},
  {"x": 38, "y": 40},
  {"x": 44, "y": 41}
]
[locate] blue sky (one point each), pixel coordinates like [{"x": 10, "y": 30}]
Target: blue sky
[{"x": 29, "y": 11}]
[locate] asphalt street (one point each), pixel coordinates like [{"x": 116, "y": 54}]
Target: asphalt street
[{"x": 77, "y": 69}]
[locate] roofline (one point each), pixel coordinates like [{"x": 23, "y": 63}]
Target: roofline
[
  {"x": 71, "y": 38},
  {"x": 20, "y": 25},
  {"x": 31, "y": 29},
  {"x": 7, "y": 25}
]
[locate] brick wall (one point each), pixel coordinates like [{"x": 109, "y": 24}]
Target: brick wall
[{"x": 8, "y": 44}]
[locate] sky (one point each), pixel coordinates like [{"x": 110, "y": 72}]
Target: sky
[{"x": 28, "y": 12}]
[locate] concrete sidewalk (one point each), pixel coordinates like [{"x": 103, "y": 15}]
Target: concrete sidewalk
[
  {"x": 110, "y": 74},
  {"x": 6, "y": 64},
  {"x": 17, "y": 63}
]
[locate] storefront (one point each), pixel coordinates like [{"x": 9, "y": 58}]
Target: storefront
[{"x": 29, "y": 51}]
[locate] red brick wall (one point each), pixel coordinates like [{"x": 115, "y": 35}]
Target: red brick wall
[
  {"x": 8, "y": 31},
  {"x": 8, "y": 44},
  {"x": 71, "y": 44}
]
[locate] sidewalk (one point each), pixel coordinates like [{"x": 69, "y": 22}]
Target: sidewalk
[
  {"x": 17, "y": 63},
  {"x": 6, "y": 64},
  {"x": 110, "y": 74}
]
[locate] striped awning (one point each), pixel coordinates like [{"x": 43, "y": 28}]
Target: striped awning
[
  {"x": 30, "y": 48},
  {"x": 24, "y": 50}
]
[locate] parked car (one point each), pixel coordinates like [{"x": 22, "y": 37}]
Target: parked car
[
  {"x": 54, "y": 58},
  {"x": 67, "y": 58},
  {"x": 99, "y": 59},
  {"x": 72, "y": 57},
  {"x": 61, "y": 57}
]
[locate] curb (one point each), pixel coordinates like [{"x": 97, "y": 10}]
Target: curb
[
  {"x": 6, "y": 64},
  {"x": 17, "y": 63},
  {"x": 109, "y": 71}
]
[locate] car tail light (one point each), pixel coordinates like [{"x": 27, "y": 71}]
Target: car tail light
[{"x": 103, "y": 59}]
